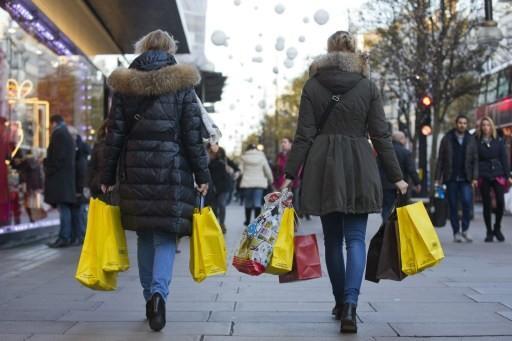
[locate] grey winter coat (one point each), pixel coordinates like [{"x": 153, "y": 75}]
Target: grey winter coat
[
  {"x": 340, "y": 167},
  {"x": 162, "y": 153}
]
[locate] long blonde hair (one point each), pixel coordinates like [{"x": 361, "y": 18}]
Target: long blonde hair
[
  {"x": 157, "y": 40},
  {"x": 480, "y": 133}
]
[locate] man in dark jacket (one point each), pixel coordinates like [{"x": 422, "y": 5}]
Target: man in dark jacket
[
  {"x": 457, "y": 167},
  {"x": 59, "y": 167},
  {"x": 408, "y": 167}
]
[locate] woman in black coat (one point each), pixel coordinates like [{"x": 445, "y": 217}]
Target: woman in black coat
[
  {"x": 494, "y": 173},
  {"x": 154, "y": 134},
  {"x": 222, "y": 182}
]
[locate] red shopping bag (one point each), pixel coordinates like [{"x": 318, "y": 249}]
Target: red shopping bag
[{"x": 306, "y": 260}]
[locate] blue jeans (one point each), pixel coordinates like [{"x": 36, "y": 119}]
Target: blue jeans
[
  {"x": 66, "y": 213},
  {"x": 352, "y": 227},
  {"x": 221, "y": 201},
  {"x": 155, "y": 255},
  {"x": 253, "y": 197},
  {"x": 455, "y": 191},
  {"x": 78, "y": 221}
]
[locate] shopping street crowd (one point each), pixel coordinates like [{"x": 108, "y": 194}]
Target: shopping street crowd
[{"x": 151, "y": 159}]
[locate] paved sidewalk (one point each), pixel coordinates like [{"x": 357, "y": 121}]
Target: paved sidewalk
[{"x": 468, "y": 295}]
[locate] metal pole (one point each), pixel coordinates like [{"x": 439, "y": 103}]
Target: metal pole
[{"x": 488, "y": 10}]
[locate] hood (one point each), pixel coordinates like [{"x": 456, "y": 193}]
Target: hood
[
  {"x": 153, "y": 73},
  {"x": 340, "y": 71}
]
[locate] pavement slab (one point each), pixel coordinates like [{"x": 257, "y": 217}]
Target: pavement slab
[{"x": 468, "y": 296}]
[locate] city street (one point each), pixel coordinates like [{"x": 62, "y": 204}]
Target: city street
[{"x": 468, "y": 295}]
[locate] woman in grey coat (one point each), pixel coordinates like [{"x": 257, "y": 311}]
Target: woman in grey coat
[{"x": 341, "y": 182}]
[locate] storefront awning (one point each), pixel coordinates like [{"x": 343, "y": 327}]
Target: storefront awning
[{"x": 113, "y": 26}]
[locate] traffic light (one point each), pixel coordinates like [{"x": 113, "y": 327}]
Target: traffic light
[{"x": 425, "y": 115}]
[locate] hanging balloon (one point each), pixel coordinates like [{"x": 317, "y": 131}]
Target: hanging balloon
[
  {"x": 321, "y": 17},
  {"x": 219, "y": 38},
  {"x": 262, "y": 104},
  {"x": 291, "y": 53},
  {"x": 249, "y": 80},
  {"x": 302, "y": 39},
  {"x": 237, "y": 2},
  {"x": 260, "y": 35},
  {"x": 280, "y": 44},
  {"x": 258, "y": 48},
  {"x": 288, "y": 63},
  {"x": 257, "y": 60},
  {"x": 275, "y": 70},
  {"x": 279, "y": 9},
  {"x": 305, "y": 20},
  {"x": 232, "y": 107},
  {"x": 230, "y": 57}
]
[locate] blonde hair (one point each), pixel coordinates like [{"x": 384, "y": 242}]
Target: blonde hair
[
  {"x": 157, "y": 40},
  {"x": 341, "y": 41},
  {"x": 491, "y": 123}
]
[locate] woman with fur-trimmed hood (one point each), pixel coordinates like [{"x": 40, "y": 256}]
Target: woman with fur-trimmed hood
[
  {"x": 341, "y": 181},
  {"x": 154, "y": 145}
]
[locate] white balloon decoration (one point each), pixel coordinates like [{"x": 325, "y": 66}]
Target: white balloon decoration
[
  {"x": 280, "y": 44},
  {"x": 219, "y": 38},
  {"x": 262, "y": 104},
  {"x": 321, "y": 17},
  {"x": 258, "y": 48},
  {"x": 302, "y": 39},
  {"x": 257, "y": 60},
  {"x": 275, "y": 70},
  {"x": 291, "y": 53},
  {"x": 305, "y": 20},
  {"x": 279, "y": 9},
  {"x": 232, "y": 107},
  {"x": 288, "y": 63},
  {"x": 237, "y": 2}
]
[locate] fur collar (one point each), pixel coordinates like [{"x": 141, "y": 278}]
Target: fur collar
[
  {"x": 345, "y": 61},
  {"x": 170, "y": 78}
]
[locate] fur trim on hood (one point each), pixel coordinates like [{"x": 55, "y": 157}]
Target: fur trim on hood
[
  {"x": 170, "y": 78},
  {"x": 345, "y": 61}
]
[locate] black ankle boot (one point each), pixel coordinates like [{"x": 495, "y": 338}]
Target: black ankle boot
[
  {"x": 489, "y": 237},
  {"x": 157, "y": 316},
  {"x": 257, "y": 212},
  {"x": 498, "y": 234},
  {"x": 337, "y": 311},
  {"x": 349, "y": 319},
  {"x": 247, "y": 216}
]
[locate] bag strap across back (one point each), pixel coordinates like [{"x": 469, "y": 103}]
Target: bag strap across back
[{"x": 335, "y": 99}]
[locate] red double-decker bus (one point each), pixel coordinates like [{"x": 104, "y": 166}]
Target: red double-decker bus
[{"x": 495, "y": 99}]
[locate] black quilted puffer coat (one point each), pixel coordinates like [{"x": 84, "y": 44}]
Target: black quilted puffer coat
[{"x": 161, "y": 154}]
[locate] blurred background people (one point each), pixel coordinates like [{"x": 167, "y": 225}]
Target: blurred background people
[
  {"x": 60, "y": 178},
  {"x": 493, "y": 175},
  {"x": 256, "y": 177}
]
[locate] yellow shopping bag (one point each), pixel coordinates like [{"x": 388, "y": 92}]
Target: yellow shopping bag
[
  {"x": 207, "y": 246},
  {"x": 89, "y": 271},
  {"x": 115, "y": 257},
  {"x": 420, "y": 247},
  {"x": 282, "y": 252}
]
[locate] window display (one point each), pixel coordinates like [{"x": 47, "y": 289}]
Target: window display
[{"x": 36, "y": 83}]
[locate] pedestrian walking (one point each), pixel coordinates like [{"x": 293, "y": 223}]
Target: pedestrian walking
[
  {"x": 221, "y": 179},
  {"x": 154, "y": 137},
  {"x": 280, "y": 174},
  {"x": 457, "y": 168},
  {"x": 409, "y": 172},
  {"x": 493, "y": 174},
  {"x": 60, "y": 178},
  {"x": 256, "y": 176},
  {"x": 97, "y": 162},
  {"x": 340, "y": 107},
  {"x": 79, "y": 211}
]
